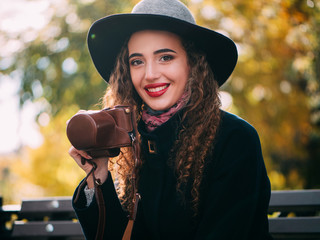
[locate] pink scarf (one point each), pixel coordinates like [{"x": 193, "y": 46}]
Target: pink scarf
[{"x": 154, "y": 119}]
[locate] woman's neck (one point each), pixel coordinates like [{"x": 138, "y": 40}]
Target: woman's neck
[{"x": 155, "y": 118}]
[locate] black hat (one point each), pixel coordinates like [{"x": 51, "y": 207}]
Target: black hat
[{"x": 107, "y": 36}]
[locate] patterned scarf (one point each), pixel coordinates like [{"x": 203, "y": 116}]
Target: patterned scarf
[{"x": 154, "y": 119}]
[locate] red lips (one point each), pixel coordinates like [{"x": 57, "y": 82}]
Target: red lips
[{"x": 156, "y": 89}]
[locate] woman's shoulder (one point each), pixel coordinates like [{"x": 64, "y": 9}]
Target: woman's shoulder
[
  {"x": 236, "y": 135},
  {"x": 236, "y": 145},
  {"x": 232, "y": 124}
]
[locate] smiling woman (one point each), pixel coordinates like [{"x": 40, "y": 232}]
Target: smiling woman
[
  {"x": 202, "y": 174},
  {"x": 159, "y": 68}
]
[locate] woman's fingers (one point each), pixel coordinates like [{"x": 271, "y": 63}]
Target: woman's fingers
[
  {"x": 77, "y": 155},
  {"x": 102, "y": 164}
]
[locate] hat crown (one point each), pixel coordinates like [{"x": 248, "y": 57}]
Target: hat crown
[{"x": 170, "y": 8}]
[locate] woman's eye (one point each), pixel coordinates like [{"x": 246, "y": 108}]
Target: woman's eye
[
  {"x": 135, "y": 62},
  {"x": 166, "y": 58}
]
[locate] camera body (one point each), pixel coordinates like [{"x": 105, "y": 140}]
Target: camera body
[{"x": 102, "y": 133}]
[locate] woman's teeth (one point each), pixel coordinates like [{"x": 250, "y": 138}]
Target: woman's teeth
[{"x": 157, "y": 89}]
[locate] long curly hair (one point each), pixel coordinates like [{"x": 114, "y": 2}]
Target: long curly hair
[{"x": 198, "y": 125}]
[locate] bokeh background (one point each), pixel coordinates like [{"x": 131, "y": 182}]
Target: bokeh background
[{"x": 47, "y": 76}]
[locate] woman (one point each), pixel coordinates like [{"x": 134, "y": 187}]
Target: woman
[{"x": 202, "y": 174}]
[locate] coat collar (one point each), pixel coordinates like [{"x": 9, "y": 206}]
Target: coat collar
[{"x": 156, "y": 145}]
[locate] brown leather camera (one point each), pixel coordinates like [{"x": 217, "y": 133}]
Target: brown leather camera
[{"x": 104, "y": 132}]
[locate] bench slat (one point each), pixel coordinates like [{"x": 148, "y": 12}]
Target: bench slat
[
  {"x": 305, "y": 225},
  {"x": 37, "y": 208},
  {"x": 295, "y": 200},
  {"x": 58, "y": 204},
  {"x": 47, "y": 229}
]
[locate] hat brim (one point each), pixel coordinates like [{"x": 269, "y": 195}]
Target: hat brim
[{"x": 107, "y": 36}]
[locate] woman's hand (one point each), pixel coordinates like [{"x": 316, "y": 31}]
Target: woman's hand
[{"x": 102, "y": 165}]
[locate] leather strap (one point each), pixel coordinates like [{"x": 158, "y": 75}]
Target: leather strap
[
  {"x": 98, "y": 195},
  {"x": 127, "y": 232},
  {"x": 137, "y": 162},
  {"x": 101, "y": 207}
]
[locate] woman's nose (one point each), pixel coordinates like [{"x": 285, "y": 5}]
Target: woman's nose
[{"x": 152, "y": 72}]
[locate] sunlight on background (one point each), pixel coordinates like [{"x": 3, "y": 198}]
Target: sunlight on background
[{"x": 18, "y": 18}]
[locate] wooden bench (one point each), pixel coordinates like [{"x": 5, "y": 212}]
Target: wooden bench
[
  {"x": 294, "y": 215},
  {"x": 46, "y": 218},
  {"x": 298, "y": 214}
]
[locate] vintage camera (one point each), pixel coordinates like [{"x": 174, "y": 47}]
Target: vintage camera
[{"x": 104, "y": 132}]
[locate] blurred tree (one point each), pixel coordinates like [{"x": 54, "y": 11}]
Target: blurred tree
[
  {"x": 275, "y": 85},
  {"x": 49, "y": 166},
  {"x": 58, "y": 61}
]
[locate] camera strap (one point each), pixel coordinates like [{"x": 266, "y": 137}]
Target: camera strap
[
  {"x": 98, "y": 196},
  {"x": 137, "y": 162}
]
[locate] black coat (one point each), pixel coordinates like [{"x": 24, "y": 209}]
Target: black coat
[{"x": 234, "y": 193}]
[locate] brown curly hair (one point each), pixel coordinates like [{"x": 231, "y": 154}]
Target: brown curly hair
[{"x": 198, "y": 126}]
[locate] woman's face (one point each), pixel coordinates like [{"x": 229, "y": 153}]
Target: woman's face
[{"x": 158, "y": 67}]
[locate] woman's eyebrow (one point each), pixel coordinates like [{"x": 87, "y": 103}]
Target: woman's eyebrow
[
  {"x": 163, "y": 50},
  {"x": 135, "y": 55}
]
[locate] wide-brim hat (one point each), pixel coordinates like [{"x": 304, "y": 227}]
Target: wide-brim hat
[{"x": 107, "y": 36}]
